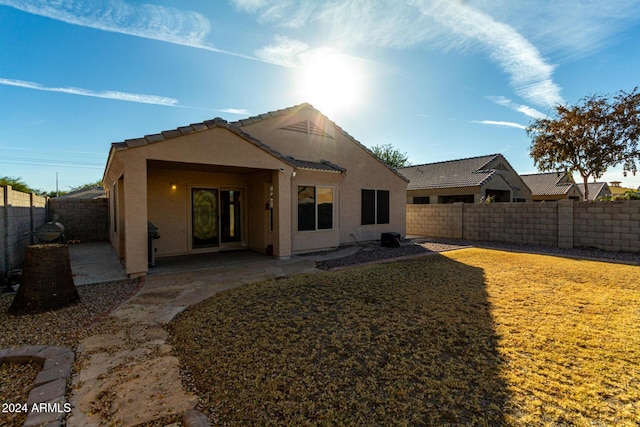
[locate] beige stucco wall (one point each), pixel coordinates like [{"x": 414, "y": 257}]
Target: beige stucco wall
[{"x": 363, "y": 172}]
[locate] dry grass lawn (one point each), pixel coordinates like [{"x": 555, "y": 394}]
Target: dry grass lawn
[{"x": 469, "y": 337}]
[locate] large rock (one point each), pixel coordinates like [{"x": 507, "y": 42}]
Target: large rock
[{"x": 47, "y": 282}]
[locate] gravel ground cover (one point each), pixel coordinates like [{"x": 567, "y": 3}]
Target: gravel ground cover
[
  {"x": 373, "y": 252},
  {"x": 470, "y": 337},
  {"x": 16, "y": 391},
  {"x": 64, "y": 327}
]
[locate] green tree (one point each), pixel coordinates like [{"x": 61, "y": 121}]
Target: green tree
[
  {"x": 16, "y": 183},
  {"x": 597, "y": 133},
  {"x": 391, "y": 155},
  {"x": 86, "y": 186}
]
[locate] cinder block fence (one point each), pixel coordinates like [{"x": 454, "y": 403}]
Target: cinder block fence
[
  {"x": 610, "y": 226},
  {"x": 19, "y": 214},
  {"x": 84, "y": 220}
]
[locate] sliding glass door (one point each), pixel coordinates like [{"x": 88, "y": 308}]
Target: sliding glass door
[
  {"x": 205, "y": 227},
  {"x": 230, "y": 218},
  {"x": 216, "y": 218}
]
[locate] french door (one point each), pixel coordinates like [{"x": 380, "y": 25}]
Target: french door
[{"x": 216, "y": 218}]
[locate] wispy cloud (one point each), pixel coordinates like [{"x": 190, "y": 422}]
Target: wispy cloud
[
  {"x": 448, "y": 24},
  {"x": 524, "y": 109},
  {"x": 499, "y": 123},
  {"x": 566, "y": 29},
  {"x": 530, "y": 75},
  {"x": 283, "y": 51},
  {"x": 108, "y": 94},
  {"x": 148, "y": 21},
  {"x": 239, "y": 111}
]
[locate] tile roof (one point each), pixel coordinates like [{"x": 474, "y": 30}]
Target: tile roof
[
  {"x": 236, "y": 127},
  {"x": 96, "y": 192},
  {"x": 322, "y": 165},
  {"x": 470, "y": 172},
  {"x": 272, "y": 114},
  {"x": 218, "y": 122},
  {"x": 595, "y": 188},
  {"x": 548, "y": 183}
]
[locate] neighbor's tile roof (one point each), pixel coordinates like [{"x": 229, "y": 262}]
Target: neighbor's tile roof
[
  {"x": 96, "y": 192},
  {"x": 547, "y": 184},
  {"x": 595, "y": 188},
  {"x": 470, "y": 172}
]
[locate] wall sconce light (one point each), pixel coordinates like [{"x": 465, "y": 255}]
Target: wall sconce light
[
  {"x": 293, "y": 174},
  {"x": 174, "y": 187}
]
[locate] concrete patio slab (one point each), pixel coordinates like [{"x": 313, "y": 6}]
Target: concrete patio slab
[{"x": 95, "y": 263}]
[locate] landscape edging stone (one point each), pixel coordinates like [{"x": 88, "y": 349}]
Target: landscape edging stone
[{"x": 55, "y": 370}]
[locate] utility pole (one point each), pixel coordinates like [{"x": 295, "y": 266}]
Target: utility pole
[{"x": 56, "y": 184}]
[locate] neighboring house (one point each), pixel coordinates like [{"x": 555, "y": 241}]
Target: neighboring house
[
  {"x": 85, "y": 194},
  {"x": 468, "y": 180},
  {"x": 596, "y": 190},
  {"x": 551, "y": 186},
  {"x": 281, "y": 183},
  {"x": 616, "y": 188}
]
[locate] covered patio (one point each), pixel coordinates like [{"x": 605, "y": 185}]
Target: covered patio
[{"x": 205, "y": 192}]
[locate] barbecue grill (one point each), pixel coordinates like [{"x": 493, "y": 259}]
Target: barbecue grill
[{"x": 49, "y": 232}]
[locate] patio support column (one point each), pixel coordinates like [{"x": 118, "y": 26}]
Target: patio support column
[
  {"x": 135, "y": 217},
  {"x": 282, "y": 213}
]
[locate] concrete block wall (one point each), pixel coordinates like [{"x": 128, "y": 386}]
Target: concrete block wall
[
  {"x": 436, "y": 220},
  {"x": 520, "y": 223},
  {"x": 20, "y": 213},
  {"x": 83, "y": 220},
  {"x": 610, "y": 226}
]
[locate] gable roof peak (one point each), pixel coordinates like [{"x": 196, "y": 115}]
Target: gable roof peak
[{"x": 489, "y": 158}]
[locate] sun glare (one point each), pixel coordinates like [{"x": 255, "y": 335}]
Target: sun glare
[{"x": 332, "y": 82}]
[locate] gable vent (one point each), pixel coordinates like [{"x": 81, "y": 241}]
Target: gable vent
[{"x": 307, "y": 127}]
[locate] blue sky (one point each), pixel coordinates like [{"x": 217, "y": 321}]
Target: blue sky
[{"x": 438, "y": 79}]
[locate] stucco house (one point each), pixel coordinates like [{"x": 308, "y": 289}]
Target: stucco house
[
  {"x": 551, "y": 186},
  {"x": 465, "y": 180},
  {"x": 281, "y": 183}
]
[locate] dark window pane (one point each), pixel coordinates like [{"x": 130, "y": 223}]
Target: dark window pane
[
  {"x": 421, "y": 200},
  {"x": 383, "y": 207},
  {"x": 368, "y": 213},
  {"x": 306, "y": 208},
  {"x": 325, "y": 208}
]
